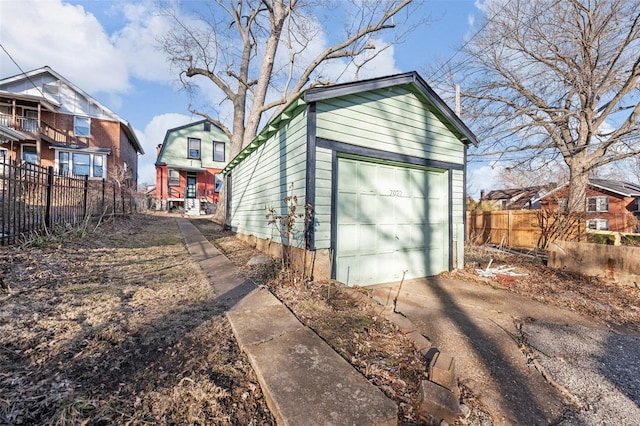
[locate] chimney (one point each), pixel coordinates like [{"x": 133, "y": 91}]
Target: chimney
[
  {"x": 481, "y": 194},
  {"x": 158, "y": 149}
]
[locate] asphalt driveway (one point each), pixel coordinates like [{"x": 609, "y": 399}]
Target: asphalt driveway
[{"x": 503, "y": 343}]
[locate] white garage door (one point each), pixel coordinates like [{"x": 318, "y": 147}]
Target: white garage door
[{"x": 390, "y": 219}]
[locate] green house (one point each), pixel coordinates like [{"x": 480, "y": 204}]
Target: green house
[
  {"x": 380, "y": 163},
  {"x": 189, "y": 166}
]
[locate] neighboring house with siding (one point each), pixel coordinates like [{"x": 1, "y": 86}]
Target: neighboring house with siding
[
  {"x": 47, "y": 120},
  {"x": 610, "y": 205},
  {"x": 188, "y": 167},
  {"x": 381, "y": 162},
  {"x": 516, "y": 198}
]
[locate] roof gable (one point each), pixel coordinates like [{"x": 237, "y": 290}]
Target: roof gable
[
  {"x": 47, "y": 75},
  {"x": 298, "y": 105},
  {"x": 194, "y": 129},
  {"x": 411, "y": 79}
]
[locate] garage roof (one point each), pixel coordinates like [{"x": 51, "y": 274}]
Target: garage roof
[{"x": 411, "y": 79}]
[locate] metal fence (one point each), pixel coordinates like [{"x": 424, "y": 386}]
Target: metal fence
[{"x": 34, "y": 198}]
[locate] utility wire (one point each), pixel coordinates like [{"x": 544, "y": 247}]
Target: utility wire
[
  {"x": 21, "y": 70},
  {"x": 435, "y": 74}
]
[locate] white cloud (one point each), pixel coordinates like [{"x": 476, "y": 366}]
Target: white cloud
[
  {"x": 482, "y": 178},
  {"x": 138, "y": 42},
  {"x": 151, "y": 137},
  {"x": 65, "y": 37}
]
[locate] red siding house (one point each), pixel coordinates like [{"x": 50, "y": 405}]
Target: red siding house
[
  {"x": 188, "y": 168},
  {"x": 47, "y": 120}
]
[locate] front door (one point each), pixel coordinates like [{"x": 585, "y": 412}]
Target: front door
[{"x": 192, "y": 183}]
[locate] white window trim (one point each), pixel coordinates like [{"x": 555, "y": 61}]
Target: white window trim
[
  {"x": 92, "y": 156},
  {"x": 600, "y": 224},
  {"x": 598, "y": 199},
  {"x": 191, "y": 157},
  {"x": 75, "y": 126},
  {"x": 224, "y": 151},
  {"x": 22, "y": 151},
  {"x": 171, "y": 181}
]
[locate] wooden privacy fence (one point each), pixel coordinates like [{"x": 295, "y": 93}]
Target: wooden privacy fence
[
  {"x": 524, "y": 228},
  {"x": 512, "y": 228},
  {"x": 34, "y": 198}
]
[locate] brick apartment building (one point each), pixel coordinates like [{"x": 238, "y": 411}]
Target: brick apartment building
[{"x": 47, "y": 120}]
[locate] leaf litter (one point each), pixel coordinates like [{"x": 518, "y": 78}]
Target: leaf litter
[{"x": 118, "y": 327}]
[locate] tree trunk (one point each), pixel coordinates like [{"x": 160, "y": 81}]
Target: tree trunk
[{"x": 578, "y": 183}]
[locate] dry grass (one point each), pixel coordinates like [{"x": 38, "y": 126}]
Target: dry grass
[{"x": 119, "y": 327}]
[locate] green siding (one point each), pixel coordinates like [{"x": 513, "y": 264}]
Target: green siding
[
  {"x": 393, "y": 120},
  {"x": 263, "y": 179},
  {"x": 458, "y": 218},
  {"x": 323, "y": 199},
  {"x": 174, "y": 150}
]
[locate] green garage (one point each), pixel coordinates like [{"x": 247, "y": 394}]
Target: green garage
[{"x": 380, "y": 162}]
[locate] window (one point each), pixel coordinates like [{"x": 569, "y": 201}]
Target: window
[
  {"x": 218, "y": 181},
  {"x": 174, "y": 177},
  {"x": 3, "y": 155},
  {"x": 563, "y": 204},
  {"x": 194, "y": 148},
  {"x": 81, "y": 126},
  {"x": 207, "y": 126},
  {"x": 599, "y": 224},
  {"x": 218, "y": 151},
  {"x": 51, "y": 89},
  {"x": 30, "y": 154},
  {"x": 98, "y": 166},
  {"x": 81, "y": 164},
  {"x": 63, "y": 163},
  {"x": 598, "y": 204},
  {"x": 30, "y": 122}
]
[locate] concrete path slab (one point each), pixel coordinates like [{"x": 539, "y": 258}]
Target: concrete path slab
[{"x": 304, "y": 380}]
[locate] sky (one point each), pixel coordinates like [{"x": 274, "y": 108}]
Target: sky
[{"x": 109, "y": 49}]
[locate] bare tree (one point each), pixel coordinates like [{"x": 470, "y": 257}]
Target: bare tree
[
  {"x": 546, "y": 173},
  {"x": 258, "y": 52},
  {"x": 551, "y": 80}
]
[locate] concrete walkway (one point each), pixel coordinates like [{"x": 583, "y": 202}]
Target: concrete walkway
[{"x": 304, "y": 380}]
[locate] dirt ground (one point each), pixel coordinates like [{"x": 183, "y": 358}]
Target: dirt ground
[
  {"x": 120, "y": 327},
  {"x": 615, "y": 304}
]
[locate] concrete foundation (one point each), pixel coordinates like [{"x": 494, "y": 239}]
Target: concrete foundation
[{"x": 318, "y": 262}]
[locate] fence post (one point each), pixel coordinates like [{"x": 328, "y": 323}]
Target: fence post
[
  {"x": 114, "y": 200},
  {"x": 85, "y": 197},
  {"x": 47, "y": 212}
]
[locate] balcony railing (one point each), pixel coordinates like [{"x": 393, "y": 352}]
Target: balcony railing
[
  {"x": 56, "y": 135},
  {"x": 19, "y": 123},
  {"x": 30, "y": 125}
]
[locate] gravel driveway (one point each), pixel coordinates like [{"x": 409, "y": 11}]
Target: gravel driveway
[
  {"x": 503, "y": 343},
  {"x": 599, "y": 367}
]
